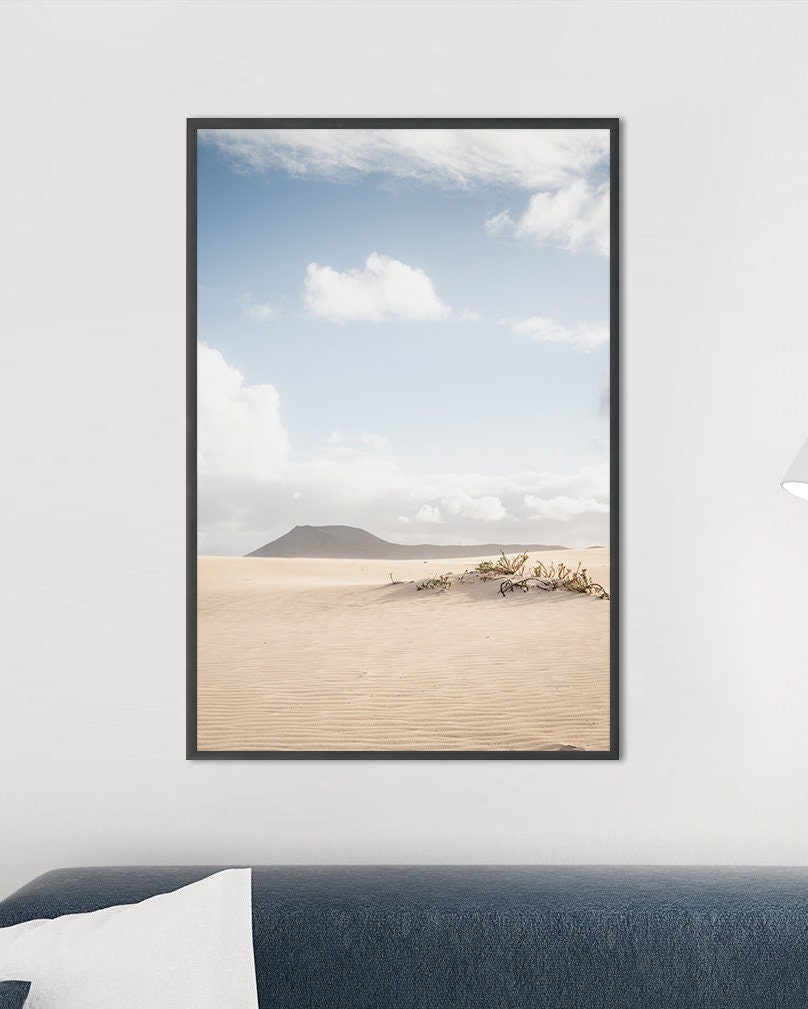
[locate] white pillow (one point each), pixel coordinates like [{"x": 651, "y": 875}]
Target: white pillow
[{"x": 191, "y": 949}]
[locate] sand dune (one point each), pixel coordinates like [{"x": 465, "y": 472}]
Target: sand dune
[{"x": 311, "y": 654}]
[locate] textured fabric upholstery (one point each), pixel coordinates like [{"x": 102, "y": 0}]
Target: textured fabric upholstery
[
  {"x": 13, "y": 994},
  {"x": 452, "y": 937}
]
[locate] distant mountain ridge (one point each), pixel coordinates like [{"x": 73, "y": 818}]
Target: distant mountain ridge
[{"x": 358, "y": 544}]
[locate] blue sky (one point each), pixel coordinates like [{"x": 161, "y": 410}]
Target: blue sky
[{"x": 406, "y": 331}]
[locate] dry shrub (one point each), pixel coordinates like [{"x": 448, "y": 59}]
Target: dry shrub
[
  {"x": 436, "y": 582},
  {"x": 550, "y": 577},
  {"x": 502, "y": 566}
]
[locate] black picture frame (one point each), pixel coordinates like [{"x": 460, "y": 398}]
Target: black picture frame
[{"x": 196, "y": 124}]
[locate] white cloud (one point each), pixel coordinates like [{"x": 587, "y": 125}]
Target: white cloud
[
  {"x": 549, "y": 331},
  {"x": 575, "y": 217},
  {"x": 253, "y": 488},
  {"x": 468, "y": 316},
  {"x": 384, "y": 289},
  {"x": 255, "y": 311},
  {"x": 563, "y": 508},
  {"x": 343, "y": 475},
  {"x": 371, "y": 490},
  {"x": 239, "y": 430},
  {"x": 452, "y": 159},
  {"x": 429, "y": 514},
  {"x": 487, "y": 509},
  {"x": 564, "y": 170},
  {"x": 334, "y": 438},
  {"x": 376, "y": 441}
]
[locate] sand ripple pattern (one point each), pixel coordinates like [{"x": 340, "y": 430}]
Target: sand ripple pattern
[{"x": 305, "y": 654}]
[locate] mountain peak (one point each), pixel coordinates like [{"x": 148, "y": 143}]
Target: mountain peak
[{"x": 359, "y": 544}]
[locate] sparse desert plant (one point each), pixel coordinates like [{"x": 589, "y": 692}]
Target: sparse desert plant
[
  {"x": 436, "y": 582},
  {"x": 510, "y": 572},
  {"x": 550, "y": 577},
  {"x": 502, "y": 566},
  {"x": 395, "y": 581},
  {"x": 511, "y": 565}
]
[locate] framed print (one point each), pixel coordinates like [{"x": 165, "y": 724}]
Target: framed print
[{"x": 403, "y": 438}]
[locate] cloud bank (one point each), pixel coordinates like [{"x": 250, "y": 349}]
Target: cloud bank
[
  {"x": 254, "y": 486},
  {"x": 564, "y": 171},
  {"x": 563, "y": 508},
  {"x": 451, "y": 159},
  {"x": 239, "y": 428}
]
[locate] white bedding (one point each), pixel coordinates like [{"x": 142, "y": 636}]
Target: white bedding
[{"x": 190, "y": 949}]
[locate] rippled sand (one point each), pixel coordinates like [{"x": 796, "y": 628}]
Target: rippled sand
[{"x": 305, "y": 654}]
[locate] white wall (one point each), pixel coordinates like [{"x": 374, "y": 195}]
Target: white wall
[{"x": 715, "y": 356}]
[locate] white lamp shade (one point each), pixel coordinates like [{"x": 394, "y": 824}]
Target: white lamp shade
[{"x": 796, "y": 480}]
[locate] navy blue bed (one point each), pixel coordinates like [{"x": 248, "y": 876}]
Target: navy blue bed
[{"x": 477, "y": 937}]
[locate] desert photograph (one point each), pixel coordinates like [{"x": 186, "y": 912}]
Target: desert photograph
[{"x": 402, "y": 437}]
